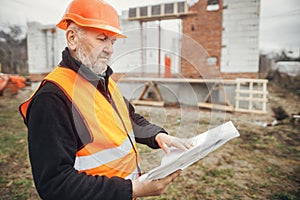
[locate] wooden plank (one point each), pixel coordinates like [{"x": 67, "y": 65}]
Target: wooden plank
[
  {"x": 251, "y": 92},
  {"x": 227, "y": 100},
  {"x": 262, "y": 85},
  {"x": 237, "y": 94},
  {"x": 215, "y": 87},
  {"x": 157, "y": 92},
  {"x": 251, "y": 99},
  {"x": 143, "y": 92},
  {"x": 216, "y": 106},
  {"x": 218, "y": 85},
  {"x": 249, "y": 80},
  {"x": 265, "y": 97},
  {"x": 206, "y": 100},
  {"x": 177, "y": 80},
  {"x": 148, "y": 103},
  {"x": 251, "y": 96},
  {"x": 250, "y": 111}
]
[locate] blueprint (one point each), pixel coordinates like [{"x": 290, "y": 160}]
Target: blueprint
[{"x": 203, "y": 144}]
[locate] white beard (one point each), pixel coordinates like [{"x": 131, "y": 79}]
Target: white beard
[{"x": 97, "y": 67}]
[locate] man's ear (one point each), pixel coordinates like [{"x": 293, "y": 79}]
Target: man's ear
[{"x": 72, "y": 39}]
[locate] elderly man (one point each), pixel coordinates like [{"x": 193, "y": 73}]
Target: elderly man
[{"x": 82, "y": 132}]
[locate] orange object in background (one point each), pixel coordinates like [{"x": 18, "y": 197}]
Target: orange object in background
[
  {"x": 12, "y": 83},
  {"x": 18, "y": 80},
  {"x": 3, "y": 81},
  {"x": 167, "y": 66}
]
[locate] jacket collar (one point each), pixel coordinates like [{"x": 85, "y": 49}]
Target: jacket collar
[{"x": 69, "y": 62}]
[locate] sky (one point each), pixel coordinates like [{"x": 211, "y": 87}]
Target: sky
[{"x": 279, "y": 19}]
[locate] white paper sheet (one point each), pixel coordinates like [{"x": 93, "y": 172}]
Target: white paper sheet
[{"x": 204, "y": 144}]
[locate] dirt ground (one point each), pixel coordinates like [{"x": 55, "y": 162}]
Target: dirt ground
[{"x": 263, "y": 163}]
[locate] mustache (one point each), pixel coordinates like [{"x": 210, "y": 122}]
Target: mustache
[
  {"x": 107, "y": 57},
  {"x": 103, "y": 55}
]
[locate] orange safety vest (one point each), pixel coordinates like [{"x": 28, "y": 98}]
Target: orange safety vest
[{"x": 113, "y": 151}]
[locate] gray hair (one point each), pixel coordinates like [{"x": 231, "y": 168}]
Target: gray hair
[{"x": 73, "y": 26}]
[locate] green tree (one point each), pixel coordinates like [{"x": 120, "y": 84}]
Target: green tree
[{"x": 13, "y": 50}]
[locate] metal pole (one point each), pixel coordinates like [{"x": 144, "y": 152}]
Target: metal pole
[
  {"x": 142, "y": 46},
  {"x": 159, "y": 38},
  {"x": 53, "y": 31}
]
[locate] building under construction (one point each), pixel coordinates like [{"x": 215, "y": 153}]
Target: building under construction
[{"x": 209, "y": 41}]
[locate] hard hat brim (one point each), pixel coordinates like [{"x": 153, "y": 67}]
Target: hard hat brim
[{"x": 63, "y": 24}]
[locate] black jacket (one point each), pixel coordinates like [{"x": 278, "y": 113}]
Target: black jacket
[{"x": 56, "y": 132}]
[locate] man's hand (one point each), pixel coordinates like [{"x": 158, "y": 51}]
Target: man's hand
[
  {"x": 152, "y": 188},
  {"x": 165, "y": 141}
]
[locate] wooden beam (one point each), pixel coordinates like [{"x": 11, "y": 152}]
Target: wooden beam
[
  {"x": 251, "y": 99},
  {"x": 144, "y": 91},
  {"x": 177, "y": 80},
  {"x": 252, "y": 92},
  {"x": 250, "y": 111},
  {"x": 161, "y": 17},
  {"x": 141, "y": 100},
  {"x": 249, "y": 80},
  {"x": 148, "y": 103},
  {"x": 216, "y": 106}
]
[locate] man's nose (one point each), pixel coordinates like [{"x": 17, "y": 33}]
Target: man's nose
[{"x": 108, "y": 47}]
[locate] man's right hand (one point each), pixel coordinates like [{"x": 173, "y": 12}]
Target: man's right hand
[{"x": 152, "y": 188}]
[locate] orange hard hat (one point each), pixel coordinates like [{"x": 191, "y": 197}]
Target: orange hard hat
[{"x": 94, "y": 14}]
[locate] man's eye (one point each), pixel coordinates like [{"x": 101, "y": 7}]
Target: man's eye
[{"x": 104, "y": 39}]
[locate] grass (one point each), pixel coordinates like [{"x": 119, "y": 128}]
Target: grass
[
  {"x": 15, "y": 177},
  {"x": 263, "y": 163},
  {"x": 223, "y": 174},
  {"x": 291, "y": 195}
]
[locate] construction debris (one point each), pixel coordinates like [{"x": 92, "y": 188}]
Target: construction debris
[
  {"x": 281, "y": 117},
  {"x": 295, "y": 119},
  {"x": 10, "y": 84},
  {"x": 279, "y": 113}
]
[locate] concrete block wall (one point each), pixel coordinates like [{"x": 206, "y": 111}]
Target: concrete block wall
[
  {"x": 44, "y": 46},
  {"x": 36, "y": 48},
  {"x": 240, "y": 52}
]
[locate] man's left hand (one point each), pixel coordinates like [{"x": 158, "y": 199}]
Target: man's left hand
[{"x": 166, "y": 141}]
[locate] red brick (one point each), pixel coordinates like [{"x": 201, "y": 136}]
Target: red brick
[{"x": 207, "y": 33}]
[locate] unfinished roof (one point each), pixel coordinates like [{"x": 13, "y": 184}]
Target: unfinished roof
[{"x": 165, "y": 11}]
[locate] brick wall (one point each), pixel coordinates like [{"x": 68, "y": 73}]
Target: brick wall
[{"x": 205, "y": 30}]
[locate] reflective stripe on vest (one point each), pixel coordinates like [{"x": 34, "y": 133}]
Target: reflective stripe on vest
[
  {"x": 112, "y": 151},
  {"x": 105, "y": 156}
]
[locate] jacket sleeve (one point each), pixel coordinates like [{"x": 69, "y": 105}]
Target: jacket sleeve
[
  {"x": 53, "y": 143},
  {"x": 144, "y": 131}
]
